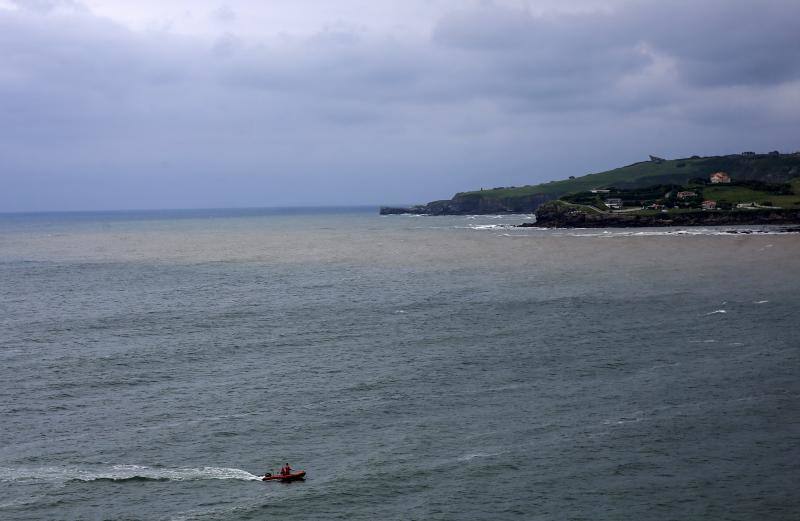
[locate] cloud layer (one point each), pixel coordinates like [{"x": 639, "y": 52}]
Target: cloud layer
[{"x": 100, "y": 114}]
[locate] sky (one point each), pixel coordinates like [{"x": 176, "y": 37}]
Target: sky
[{"x": 119, "y": 104}]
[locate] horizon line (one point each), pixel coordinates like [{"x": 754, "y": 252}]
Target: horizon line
[{"x": 195, "y": 209}]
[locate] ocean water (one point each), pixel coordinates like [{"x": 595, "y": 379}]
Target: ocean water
[{"x": 153, "y": 364}]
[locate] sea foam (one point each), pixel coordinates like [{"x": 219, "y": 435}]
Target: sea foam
[{"x": 122, "y": 473}]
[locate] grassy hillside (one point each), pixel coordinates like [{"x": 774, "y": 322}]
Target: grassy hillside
[
  {"x": 764, "y": 167},
  {"x": 736, "y": 194}
]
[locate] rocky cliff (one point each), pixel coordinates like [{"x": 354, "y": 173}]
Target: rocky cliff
[
  {"x": 473, "y": 204},
  {"x": 559, "y": 215}
]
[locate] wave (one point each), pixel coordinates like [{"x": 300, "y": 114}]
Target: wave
[
  {"x": 636, "y": 417},
  {"x": 474, "y": 455},
  {"x": 661, "y": 232},
  {"x": 488, "y": 226},
  {"x": 122, "y": 473}
]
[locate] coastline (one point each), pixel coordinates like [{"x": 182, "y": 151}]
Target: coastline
[
  {"x": 568, "y": 216},
  {"x": 470, "y": 204},
  {"x": 735, "y": 189}
]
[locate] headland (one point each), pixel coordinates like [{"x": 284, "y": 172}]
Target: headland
[{"x": 737, "y": 189}]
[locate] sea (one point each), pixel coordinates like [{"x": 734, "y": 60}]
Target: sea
[{"x": 154, "y": 364}]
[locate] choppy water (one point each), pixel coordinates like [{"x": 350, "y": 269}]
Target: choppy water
[{"x": 152, "y": 364}]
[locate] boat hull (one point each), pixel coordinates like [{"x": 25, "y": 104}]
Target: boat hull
[{"x": 294, "y": 476}]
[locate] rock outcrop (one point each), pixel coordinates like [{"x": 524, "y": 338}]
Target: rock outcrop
[
  {"x": 473, "y": 204},
  {"x": 559, "y": 215}
]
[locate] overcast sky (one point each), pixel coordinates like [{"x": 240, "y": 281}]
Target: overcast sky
[{"x": 112, "y": 104}]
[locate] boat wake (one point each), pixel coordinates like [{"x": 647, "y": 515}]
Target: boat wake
[
  {"x": 474, "y": 455},
  {"x": 122, "y": 473}
]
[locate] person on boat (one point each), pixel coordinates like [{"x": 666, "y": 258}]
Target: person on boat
[{"x": 286, "y": 470}]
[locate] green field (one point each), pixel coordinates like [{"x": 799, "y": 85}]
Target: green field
[{"x": 739, "y": 194}]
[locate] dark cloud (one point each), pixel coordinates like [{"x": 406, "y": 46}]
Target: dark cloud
[
  {"x": 713, "y": 43},
  {"x": 493, "y": 97},
  {"x": 730, "y": 42}
]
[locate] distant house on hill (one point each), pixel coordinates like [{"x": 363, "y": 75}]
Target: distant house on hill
[
  {"x": 656, "y": 159},
  {"x": 774, "y": 153},
  {"x": 613, "y": 202},
  {"x": 709, "y": 205},
  {"x": 686, "y": 195},
  {"x": 719, "y": 178},
  {"x": 599, "y": 191},
  {"x": 748, "y": 153}
]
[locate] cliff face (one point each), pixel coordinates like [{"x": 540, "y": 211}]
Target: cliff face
[
  {"x": 555, "y": 215},
  {"x": 474, "y": 204}
]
